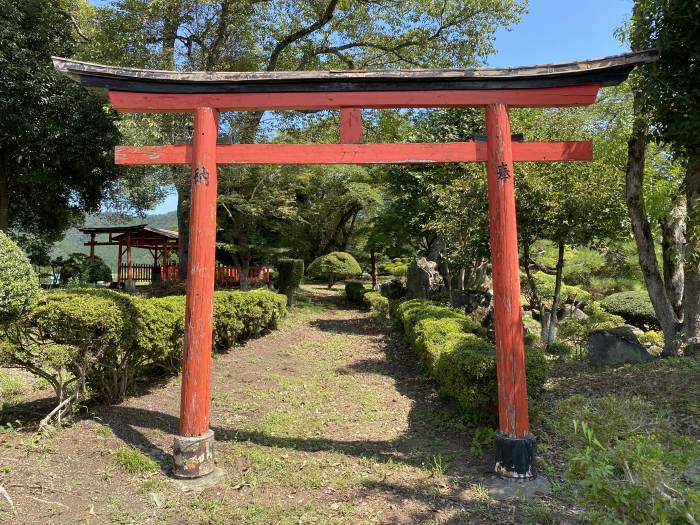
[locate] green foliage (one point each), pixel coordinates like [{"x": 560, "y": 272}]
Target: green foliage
[
  {"x": 112, "y": 337},
  {"x": 241, "y": 315},
  {"x": 635, "y": 307},
  {"x": 378, "y": 304},
  {"x": 453, "y": 349},
  {"x": 545, "y": 288},
  {"x": 397, "y": 267},
  {"x": 134, "y": 461},
  {"x": 355, "y": 292},
  {"x": 79, "y": 268},
  {"x": 576, "y": 331},
  {"x": 483, "y": 439},
  {"x": 626, "y": 462},
  {"x": 290, "y": 273},
  {"x": 56, "y": 138},
  {"x": 19, "y": 286},
  {"x": 334, "y": 266},
  {"x": 652, "y": 337}
]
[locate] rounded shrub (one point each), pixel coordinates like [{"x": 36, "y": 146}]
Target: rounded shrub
[
  {"x": 78, "y": 267},
  {"x": 634, "y": 307},
  {"x": 334, "y": 266},
  {"x": 355, "y": 292},
  {"x": 290, "y": 273},
  {"x": 19, "y": 285}
]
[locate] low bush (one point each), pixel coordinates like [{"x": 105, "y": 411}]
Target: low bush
[
  {"x": 290, "y": 273},
  {"x": 355, "y": 292},
  {"x": 455, "y": 351},
  {"x": 545, "y": 284},
  {"x": 334, "y": 266},
  {"x": 80, "y": 269},
  {"x": 378, "y": 304},
  {"x": 635, "y": 307},
  {"x": 105, "y": 339},
  {"x": 652, "y": 337},
  {"x": 19, "y": 286}
]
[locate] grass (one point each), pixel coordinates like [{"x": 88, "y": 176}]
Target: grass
[
  {"x": 11, "y": 388},
  {"x": 134, "y": 461}
]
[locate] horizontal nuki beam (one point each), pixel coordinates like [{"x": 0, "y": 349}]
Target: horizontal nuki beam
[
  {"x": 138, "y": 102},
  {"x": 354, "y": 153}
]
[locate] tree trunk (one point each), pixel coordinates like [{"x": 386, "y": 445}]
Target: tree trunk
[
  {"x": 461, "y": 278},
  {"x": 552, "y": 321},
  {"x": 243, "y": 267},
  {"x": 672, "y": 250},
  {"x": 373, "y": 268},
  {"x": 634, "y": 191},
  {"x": 290, "y": 296},
  {"x": 4, "y": 200},
  {"x": 692, "y": 255}
]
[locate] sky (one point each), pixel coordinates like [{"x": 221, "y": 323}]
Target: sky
[{"x": 551, "y": 31}]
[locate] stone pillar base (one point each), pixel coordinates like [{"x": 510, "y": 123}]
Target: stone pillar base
[
  {"x": 515, "y": 457},
  {"x": 193, "y": 456}
]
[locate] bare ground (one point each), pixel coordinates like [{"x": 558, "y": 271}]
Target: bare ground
[{"x": 325, "y": 420}]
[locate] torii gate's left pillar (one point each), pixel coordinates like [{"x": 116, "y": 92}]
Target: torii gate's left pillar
[{"x": 193, "y": 451}]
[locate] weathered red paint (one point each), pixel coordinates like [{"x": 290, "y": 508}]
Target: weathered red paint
[
  {"x": 135, "y": 102},
  {"x": 196, "y": 369},
  {"x": 354, "y": 153},
  {"x": 350, "y": 126},
  {"x": 510, "y": 348}
]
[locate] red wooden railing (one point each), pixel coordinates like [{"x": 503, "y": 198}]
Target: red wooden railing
[{"x": 225, "y": 275}]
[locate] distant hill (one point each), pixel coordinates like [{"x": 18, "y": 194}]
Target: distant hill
[{"x": 74, "y": 240}]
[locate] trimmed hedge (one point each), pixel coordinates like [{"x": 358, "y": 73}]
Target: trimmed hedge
[
  {"x": 19, "y": 286},
  {"x": 334, "y": 266},
  {"x": 634, "y": 307},
  {"x": 454, "y": 350},
  {"x": 376, "y": 302},
  {"x": 113, "y": 337},
  {"x": 355, "y": 292}
]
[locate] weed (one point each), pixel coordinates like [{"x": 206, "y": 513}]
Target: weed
[
  {"x": 134, "y": 461},
  {"x": 438, "y": 466},
  {"x": 483, "y": 438},
  {"x": 151, "y": 485}
]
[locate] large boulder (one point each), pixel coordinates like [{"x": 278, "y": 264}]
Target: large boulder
[
  {"x": 423, "y": 280},
  {"x": 393, "y": 289},
  {"x": 470, "y": 300},
  {"x": 607, "y": 348}
]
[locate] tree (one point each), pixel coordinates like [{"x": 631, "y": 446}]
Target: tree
[
  {"x": 667, "y": 110},
  {"x": 19, "y": 286},
  {"x": 291, "y": 273},
  {"x": 334, "y": 266},
  {"x": 245, "y": 35},
  {"x": 56, "y": 140}
]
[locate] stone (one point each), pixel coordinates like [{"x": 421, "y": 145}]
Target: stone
[
  {"x": 470, "y": 300},
  {"x": 574, "y": 313},
  {"x": 606, "y": 348},
  {"x": 627, "y": 330},
  {"x": 393, "y": 289},
  {"x": 502, "y": 489},
  {"x": 423, "y": 280}
]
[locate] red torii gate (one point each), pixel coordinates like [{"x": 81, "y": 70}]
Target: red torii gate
[{"x": 496, "y": 90}]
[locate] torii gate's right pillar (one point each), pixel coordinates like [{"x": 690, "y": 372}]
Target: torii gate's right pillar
[{"x": 515, "y": 445}]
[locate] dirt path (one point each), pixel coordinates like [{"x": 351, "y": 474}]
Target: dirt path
[{"x": 325, "y": 420}]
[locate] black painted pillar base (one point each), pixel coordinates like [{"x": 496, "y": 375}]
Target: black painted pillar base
[{"x": 515, "y": 457}]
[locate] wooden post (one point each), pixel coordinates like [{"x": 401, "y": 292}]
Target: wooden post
[
  {"x": 514, "y": 443},
  {"x": 92, "y": 247},
  {"x": 194, "y": 447},
  {"x": 129, "y": 271},
  {"x": 351, "y": 126},
  {"x": 119, "y": 263}
]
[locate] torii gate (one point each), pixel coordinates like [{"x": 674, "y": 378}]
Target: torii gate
[{"x": 496, "y": 90}]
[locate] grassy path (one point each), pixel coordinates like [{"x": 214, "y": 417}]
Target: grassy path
[{"x": 325, "y": 420}]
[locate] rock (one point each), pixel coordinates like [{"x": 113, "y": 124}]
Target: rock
[
  {"x": 470, "y": 300},
  {"x": 654, "y": 350},
  {"x": 574, "y": 313},
  {"x": 423, "y": 280},
  {"x": 627, "y": 330},
  {"x": 606, "y": 348},
  {"x": 394, "y": 289}
]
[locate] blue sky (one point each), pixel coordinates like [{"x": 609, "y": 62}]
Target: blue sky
[{"x": 552, "y": 31}]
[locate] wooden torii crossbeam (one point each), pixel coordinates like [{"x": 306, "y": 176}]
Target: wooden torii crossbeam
[{"x": 496, "y": 90}]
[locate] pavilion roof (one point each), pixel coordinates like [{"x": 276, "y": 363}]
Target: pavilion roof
[
  {"x": 609, "y": 70},
  {"x": 142, "y": 231}
]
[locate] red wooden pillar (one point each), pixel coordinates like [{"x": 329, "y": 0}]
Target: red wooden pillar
[
  {"x": 194, "y": 447},
  {"x": 119, "y": 263},
  {"x": 129, "y": 270},
  {"x": 514, "y": 442}
]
